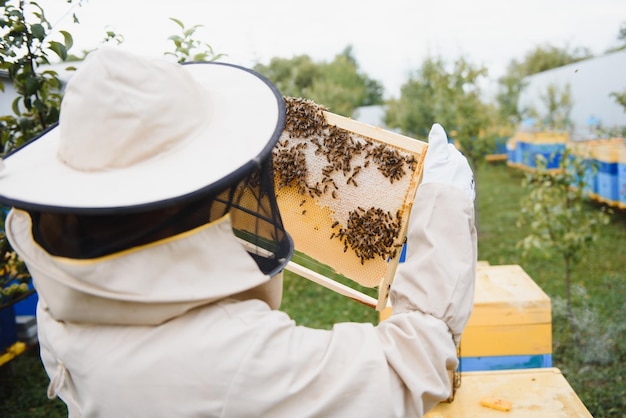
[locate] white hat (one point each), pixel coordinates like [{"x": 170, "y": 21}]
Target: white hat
[{"x": 138, "y": 133}]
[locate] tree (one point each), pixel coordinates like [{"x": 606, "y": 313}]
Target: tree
[
  {"x": 542, "y": 58},
  {"x": 338, "y": 85},
  {"x": 291, "y": 76},
  {"x": 555, "y": 212},
  {"x": 558, "y": 105},
  {"x": 509, "y": 90},
  {"x": 188, "y": 48},
  {"x": 620, "y": 98},
  {"x": 451, "y": 97},
  {"x": 26, "y": 44},
  {"x": 621, "y": 37}
]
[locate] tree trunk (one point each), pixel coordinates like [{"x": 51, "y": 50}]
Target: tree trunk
[{"x": 568, "y": 299}]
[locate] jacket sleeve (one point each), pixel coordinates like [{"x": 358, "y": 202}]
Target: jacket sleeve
[
  {"x": 398, "y": 368},
  {"x": 432, "y": 297}
]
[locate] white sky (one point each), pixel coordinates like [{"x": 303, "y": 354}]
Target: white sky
[{"x": 390, "y": 38}]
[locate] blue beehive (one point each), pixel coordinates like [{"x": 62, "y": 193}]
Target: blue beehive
[
  {"x": 510, "y": 151},
  {"x": 8, "y": 328},
  {"x": 606, "y": 156},
  {"x": 621, "y": 176}
]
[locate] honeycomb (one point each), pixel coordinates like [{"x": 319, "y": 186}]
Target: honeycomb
[{"x": 345, "y": 190}]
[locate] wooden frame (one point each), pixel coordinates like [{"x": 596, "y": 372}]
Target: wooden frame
[{"x": 320, "y": 225}]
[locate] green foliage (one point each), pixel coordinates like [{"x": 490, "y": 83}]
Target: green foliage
[
  {"x": 510, "y": 87},
  {"x": 558, "y": 105},
  {"x": 620, "y": 98},
  {"x": 14, "y": 277},
  {"x": 23, "y": 384},
  {"x": 598, "y": 342},
  {"x": 555, "y": 212},
  {"x": 597, "y": 377},
  {"x": 592, "y": 348},
  {"x": 621, "y": 37},
  {"x": 542, "y": 58},
  {"x": 291, "y": 76},
  {"x": 547, "y": 57},
  {"x": 312, "y": 305},
  {"x": 451, "y": 97},
  {"x": 26, "y": 44},
  {"x": 188, "y": 48},
  {"x": 338, "y": 85}
]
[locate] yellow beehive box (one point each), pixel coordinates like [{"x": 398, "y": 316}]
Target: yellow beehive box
[
  {"x": 511, "y": 317},
  {"x": 541, "y": 393}
]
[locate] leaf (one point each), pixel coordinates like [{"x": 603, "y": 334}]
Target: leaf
[
  {"x": 38, "y": 31},
  {"x": 178, "y": 22},
  {"x": 59, "y": 49},
  {"x": 31, "y": 85},
  {"x": 67, "y": 39},
  {"x": 15, "y": 106}
]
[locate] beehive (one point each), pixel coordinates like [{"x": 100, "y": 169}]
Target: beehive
[
  {"x": 541, "y": 393},
  {"x": 345, "y": 190},
  {"x": 607, "y": 158},
  {"x": 511, "y": 323},
  {"x": 531, "y": 145},
  {"x": 602, "y": 160},
  {"x": 621, "y": 176}
]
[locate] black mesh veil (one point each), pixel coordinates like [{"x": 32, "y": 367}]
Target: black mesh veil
[
  {"x": 256, "y": 219},
  {"x": 249, "y": 199}
]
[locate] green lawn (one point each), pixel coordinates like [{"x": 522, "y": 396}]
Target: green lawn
[{"x": 594, "y": 366}]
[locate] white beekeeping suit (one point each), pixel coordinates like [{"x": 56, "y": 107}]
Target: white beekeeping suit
[{"x": 149, "y": 304}]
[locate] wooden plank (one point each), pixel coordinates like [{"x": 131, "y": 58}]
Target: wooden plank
[
  {"x": 506, "y": 340},
  {"x": 541, "y": 393},
  {"x": 507, "y": 295}
]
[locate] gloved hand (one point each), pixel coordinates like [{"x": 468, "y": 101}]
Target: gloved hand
[
  {"x": 445, "y": 164},
  {"x": 438, "y": 275}
]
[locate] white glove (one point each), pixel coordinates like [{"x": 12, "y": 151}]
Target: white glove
[{"x": 445, "y": 164}]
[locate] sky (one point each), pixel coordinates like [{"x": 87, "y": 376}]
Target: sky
[{"x": 389, "y": 38}]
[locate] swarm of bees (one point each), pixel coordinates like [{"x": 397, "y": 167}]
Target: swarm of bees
[{"x": 369, "y": 232}]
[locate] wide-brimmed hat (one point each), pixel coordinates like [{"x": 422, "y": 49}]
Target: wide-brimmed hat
[{"x": 136, "y": 133}]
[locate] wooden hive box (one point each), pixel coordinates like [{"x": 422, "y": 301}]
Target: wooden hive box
[
  {"x": 541, "y": 393},
  {"x": 621, "y": 176},
  {"x": 511, "y": 322}
]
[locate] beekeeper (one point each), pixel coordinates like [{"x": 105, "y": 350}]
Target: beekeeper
[{"x": 133, "y": 216}]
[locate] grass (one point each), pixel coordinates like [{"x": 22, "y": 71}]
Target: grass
[{"x": 594, "y": 366}]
